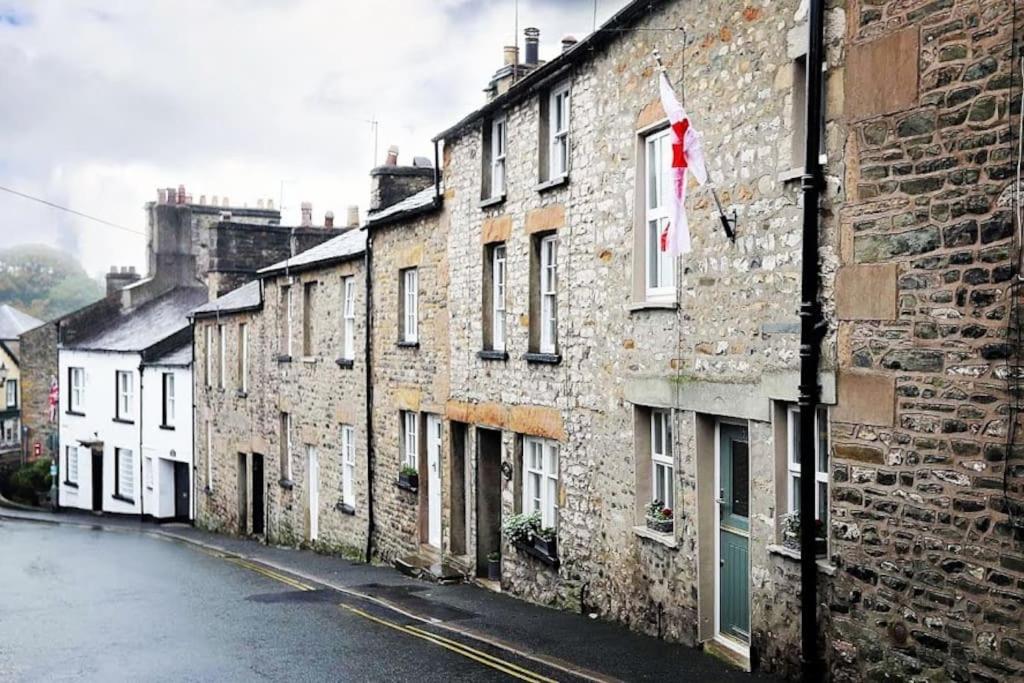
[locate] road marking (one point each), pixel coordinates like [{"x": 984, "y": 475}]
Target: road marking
[
  {"x": 459, "y": 648},
  {"x": 287, "y": 580}
]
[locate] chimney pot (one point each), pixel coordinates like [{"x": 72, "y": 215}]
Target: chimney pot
[
  {"x": 352, "y": 219},
  {"x": 270, "y": 203},
  {"x": 511, "y": 55},
  {"x": 307, "y": 215},
  {"x": 568, "y": 42},
  {"x": 225, "y": 202},
  {"x": 329, "y": 219},
  {"x": 202, "y": 199},
  {"x": 213, "y": 201},
  {"x": 161, "y": 196},
  {"x": 532, "y": 46},
  {"x": 392, "y": 158},
  {"x": 181, "y": 194},
  {"x": 188, "y": 199},
  {"x": 259, "y": 203}
]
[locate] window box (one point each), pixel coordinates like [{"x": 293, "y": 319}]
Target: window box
[
  {"x": 345, "y": 363},
  {"x": 492, "y": 355},
  {"x": 543, "y": 358},
  {"x": 791, "y": 534},
  {"x": 545, "y": 551},
  {"x": 409, "y": 481},
  {"x": 662, "y": 526}
]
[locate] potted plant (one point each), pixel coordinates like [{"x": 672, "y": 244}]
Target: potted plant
[
  {"x": 791, "y": 534},
  {"x": 524, "y": 531},
  {"x": 546, "y": 541},
  {"x": 494, "y": 566},
  {"x": 659, "y": 518},
  {"x": 408, "y": 478}
]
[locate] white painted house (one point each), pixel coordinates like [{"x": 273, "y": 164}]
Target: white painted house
[{"x": 126, "y": 411}]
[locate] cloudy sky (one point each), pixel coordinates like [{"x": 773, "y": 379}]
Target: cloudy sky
[{"x": 103, "y": 101}]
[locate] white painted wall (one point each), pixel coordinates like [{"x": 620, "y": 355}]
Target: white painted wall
[
  {"x": 98, "y": 423},
  {"x": 163, "y": 445}
]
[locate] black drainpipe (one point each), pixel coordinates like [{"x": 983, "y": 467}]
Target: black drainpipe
[
  {"x": 811, "y": 329},
  {"x": 368, "y": 264}
]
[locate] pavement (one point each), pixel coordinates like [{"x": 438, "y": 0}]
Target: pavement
[{"x": 458, "y": 631}]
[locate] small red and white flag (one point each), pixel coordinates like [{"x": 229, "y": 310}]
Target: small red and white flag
[{"x": 686, "y": 155}]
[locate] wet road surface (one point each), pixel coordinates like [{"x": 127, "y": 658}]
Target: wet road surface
[{"x": 81, "y": 604}]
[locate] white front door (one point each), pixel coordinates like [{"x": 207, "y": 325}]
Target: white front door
[
  {"x": 434, "y": 480},
  {"x": 313, "y": 468}
]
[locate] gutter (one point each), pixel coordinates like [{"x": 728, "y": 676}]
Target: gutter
[{"x": 812, "y": 328}]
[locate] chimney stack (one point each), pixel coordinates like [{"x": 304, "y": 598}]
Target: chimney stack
[
  {"x": 119, "y": 278},
  {"x": 392, "y": 158},
  {"x": 307, "y": 215},
  {"x": 511, "y": 55},
  {"x": 532, "y": 46},
  {"x": 352, "y": 218},
  {"x": 329, "y": 219},
  {"x": 568, "y": 42}
]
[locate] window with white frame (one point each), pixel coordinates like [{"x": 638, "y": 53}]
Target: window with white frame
[
  {"x": 243, "y": 357},
  {"x": 168, "y": 391},
  {"x": 659, "y": 264},
  {"x": 662, "y": 465},
  {"x": 410, "y": 440},
  {"x": 286, "y": 446},
  {"x": 498, "y": 149},
  {"x": 71, "y": 465},
  {"x": 124, "y": 473},
  {"x": 285, "y": 320},
  {"x": 208, "y": 369},
  {"x": 498, "y": 273},
  {"x": 348, "y": 464},
  {"x": 821, "y": 473},
  {"x": 76, "y": 397},
  {"x": 147, "y": 470},
  {"x": 540, "y": 479},
  {"x": 348, "y": 334},
  {"x": 124, "y": 382},
  {"x": 209, "y": 456},
  {"x": 12, "y": 393},
  {"x": 409, "y": 279},
  {"x": 308, "y": 322},
  {"x": 558, "y": 128},
  {"x": 549, "y": 294}
]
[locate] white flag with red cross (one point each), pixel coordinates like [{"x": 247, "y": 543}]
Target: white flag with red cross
[{"x": 686, "y": 156}]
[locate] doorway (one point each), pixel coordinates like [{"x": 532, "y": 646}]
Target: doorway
[
  {"x": 433, "y": 429},
  {"x": 488, "y": 496},
  {"x": 257, "y": 493},
  {"x": 97, "y": 480},
  {"x": 243, "y": 496},
  {"x": 182, "y": 497},
  {"x": 733, "y": 533},
  {"x": 457, "y": 476},
  {"x": 313, "y": 482}
]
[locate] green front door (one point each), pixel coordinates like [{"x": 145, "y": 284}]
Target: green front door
[{"x": 734, "y": 533}]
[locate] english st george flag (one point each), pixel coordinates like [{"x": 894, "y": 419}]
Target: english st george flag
[{"x": 686, "y": 155}]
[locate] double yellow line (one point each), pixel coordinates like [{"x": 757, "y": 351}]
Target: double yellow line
[
  {"x": 478, "y": 656},
  {"x": 269, "y": 573}
]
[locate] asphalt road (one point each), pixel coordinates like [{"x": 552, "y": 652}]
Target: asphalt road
[{"x": 81, "y": 604}]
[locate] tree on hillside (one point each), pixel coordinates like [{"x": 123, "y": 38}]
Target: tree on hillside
[{"x": 44, "y": 282}]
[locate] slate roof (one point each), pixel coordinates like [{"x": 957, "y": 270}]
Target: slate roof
[
  {"x": 13, "y": 322},
  {"x": 179, "y": 356},
  {"x": 414, "y": 204},
  {"x": 245, "y": 298},
  {"x": 341, "y": 248},
  {"x": 150, "y": 323}
]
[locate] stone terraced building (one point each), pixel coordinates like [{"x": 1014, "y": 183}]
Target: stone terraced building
[{"x": 528, "y": 349}]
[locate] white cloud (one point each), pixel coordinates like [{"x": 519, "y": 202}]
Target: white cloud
[{"x": 107, "y": 100}]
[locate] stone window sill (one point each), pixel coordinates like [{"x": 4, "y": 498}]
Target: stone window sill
[
  {"x": 347, "y": 509},
  {"x": 491, "y": 201},
  {"x": 824, "y": 566},
  {"x": 552, "y": 184},
  {"x": 667, "y": 540},
  {"x": 286, "y": 484},
  {"x": 795, "y": 173},
  {"x": 241, "y": 394},
  {"x": 284, "y": 358},
  {"x": 123, "y": 499},
  {"x": 345, "y": 363},
  {"x": 487, "y": 354},
  {"x": 70, "y": 484},
  {"x": 208, "y": 490},
  {"x": 408, "y": 344},
  {"x": 123, "y": 421},
  {"x": 310, "y": 360},
  {"x": 167, "y": 427},
  {"x": 652, "y": 306},
  {"x": 543, "y": 358},
  {"x": 74, "y": 412}
]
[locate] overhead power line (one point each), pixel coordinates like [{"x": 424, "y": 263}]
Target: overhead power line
[{"x": 72, "y": 211}]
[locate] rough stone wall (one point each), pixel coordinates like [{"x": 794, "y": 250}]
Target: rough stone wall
[
  {"x": 38, "y": 361},
  {"x": 931, "y": 578},
  {"x": 406, "y": 378},
  {"x": 320, "y": 395},
  {"x": 736, "y": 321}
]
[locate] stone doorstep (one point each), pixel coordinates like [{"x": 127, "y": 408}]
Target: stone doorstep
[
  {"x": 426, "y": 564},
  {"x": 727, "y": 653}
]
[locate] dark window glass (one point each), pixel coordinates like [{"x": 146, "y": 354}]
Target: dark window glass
[{"x": 740, "y": 479}]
